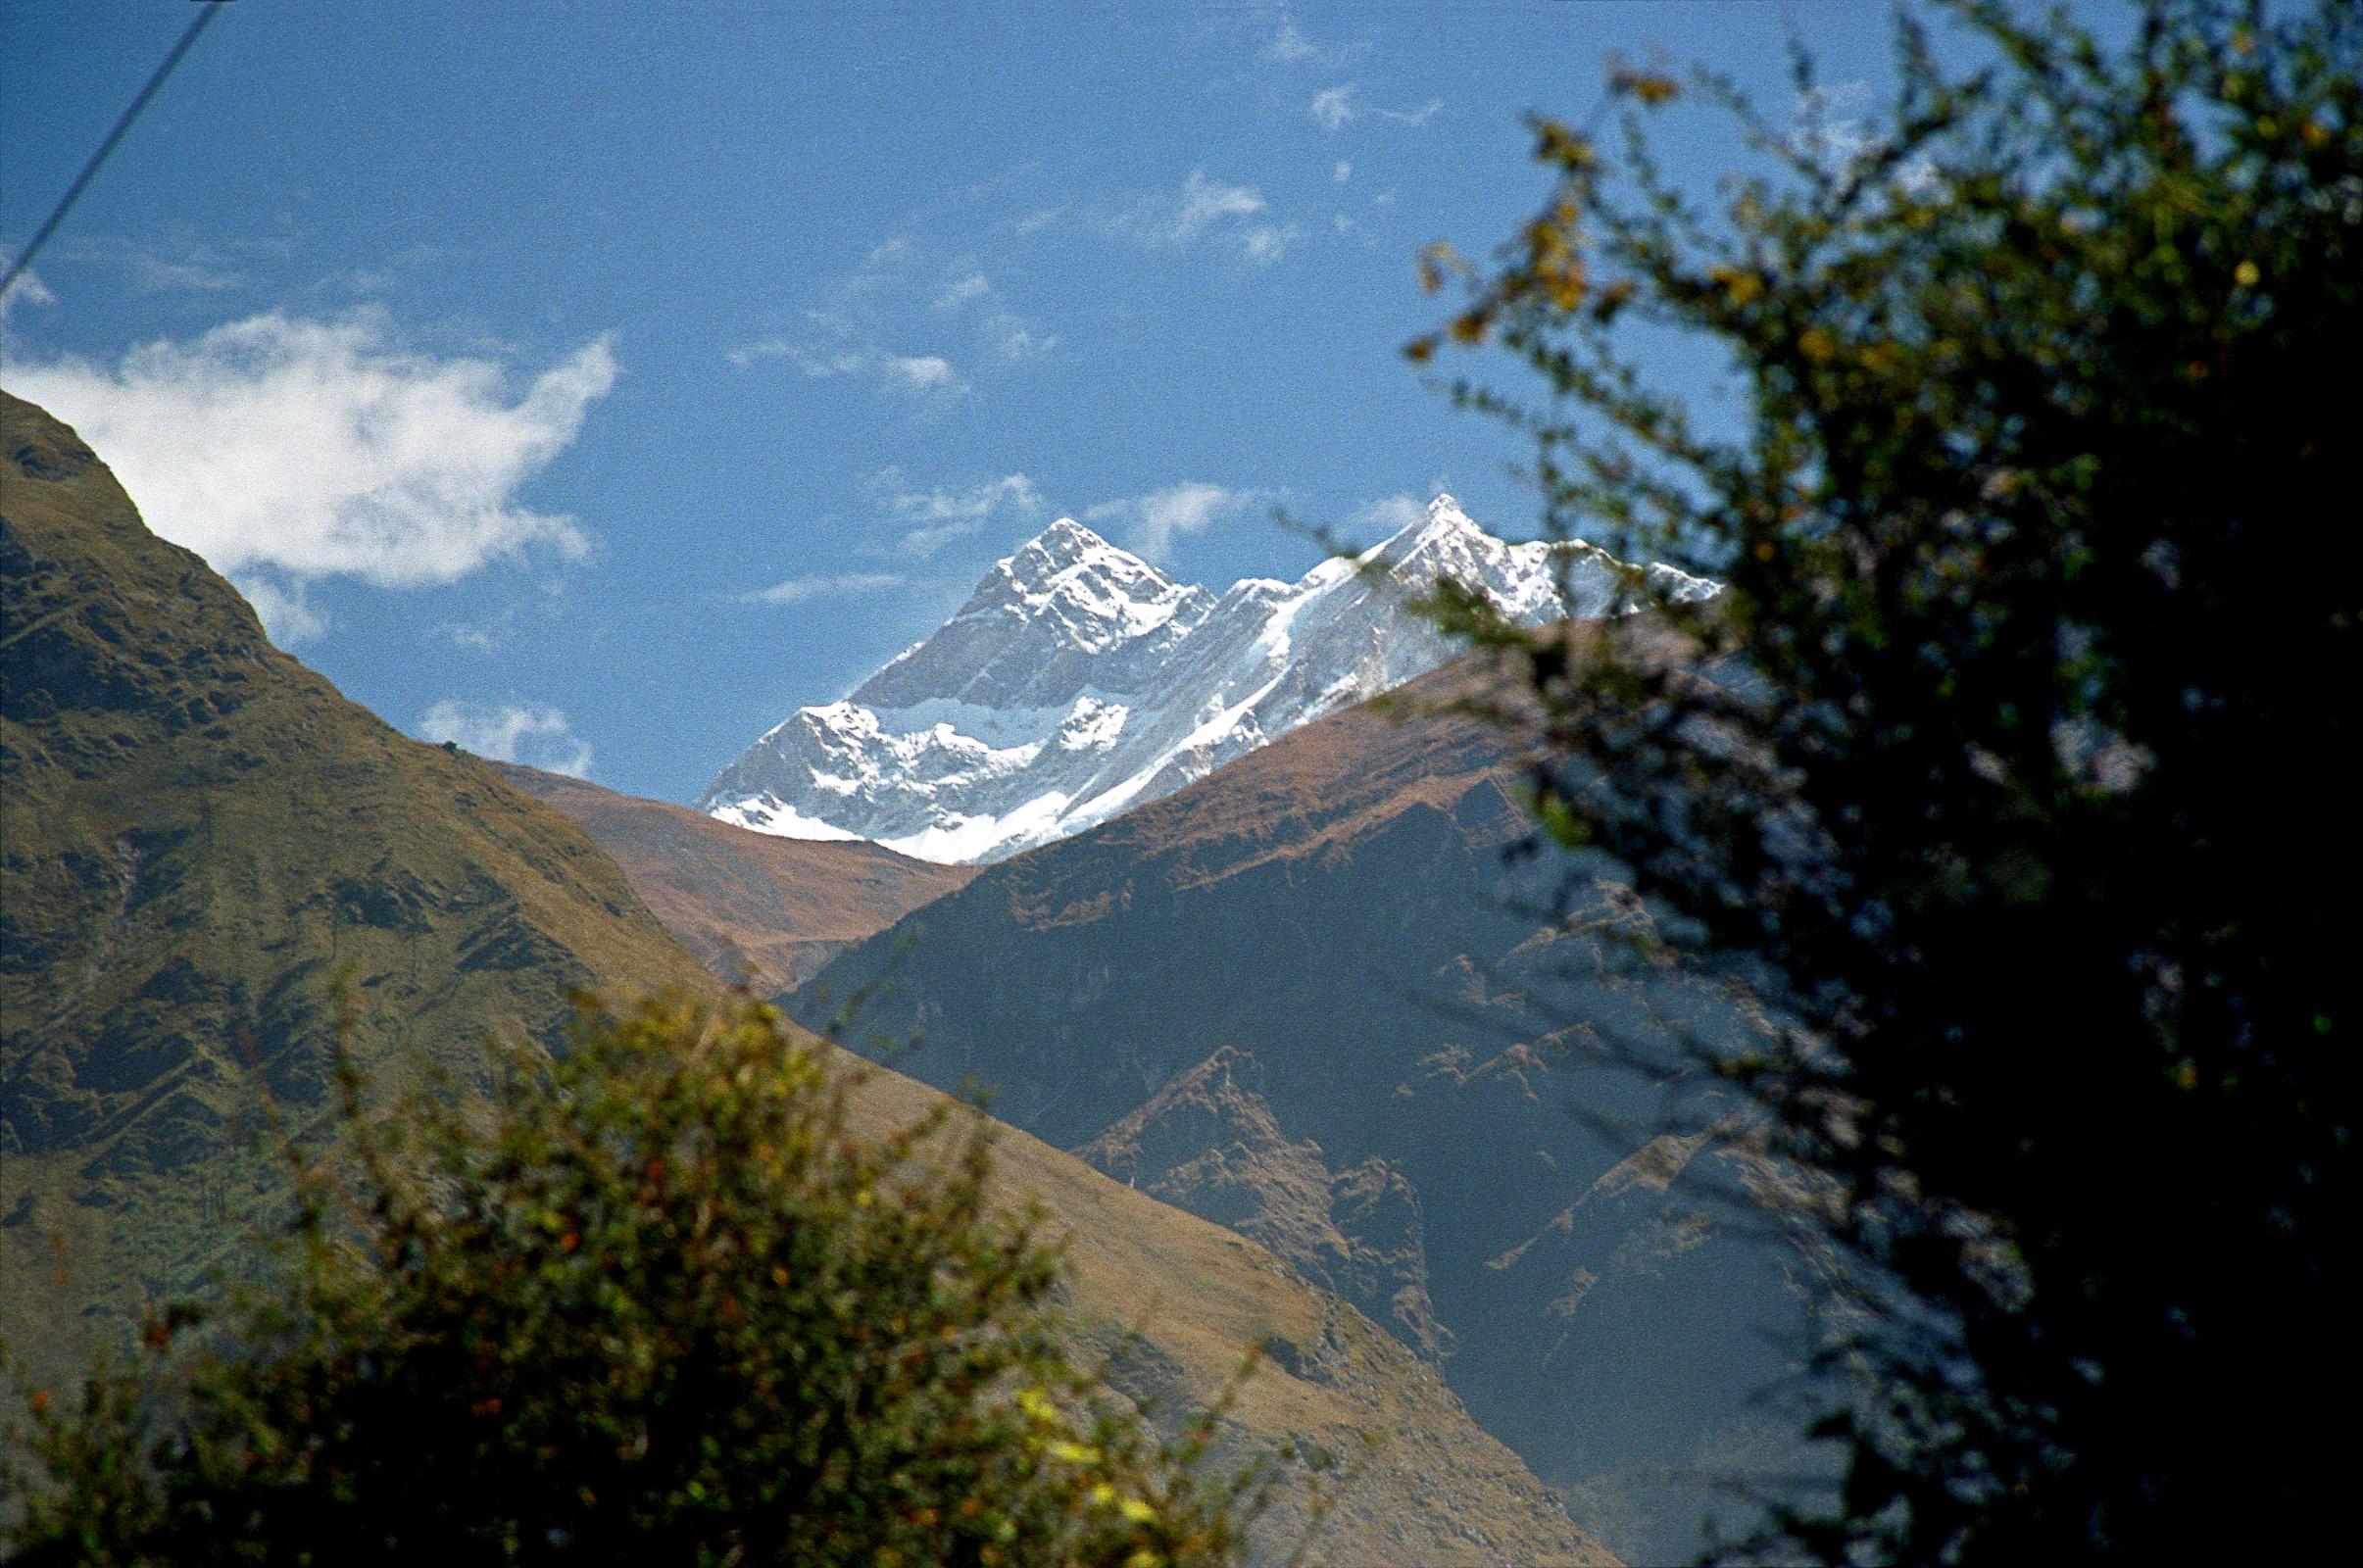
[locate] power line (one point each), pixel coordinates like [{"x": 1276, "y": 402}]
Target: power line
[{"x": 57, "y": 214}]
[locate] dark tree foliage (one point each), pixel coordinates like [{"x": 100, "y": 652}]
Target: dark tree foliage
[
  {"x": 2014, "y": 766},
  {"x": 665, "y": 1303}
]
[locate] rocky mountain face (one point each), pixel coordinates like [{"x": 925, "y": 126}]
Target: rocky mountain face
[
  {"x": 210, "y": 855},
  {"x": 1307, "y": 998},
  {"x": 1078, "y": 681}
]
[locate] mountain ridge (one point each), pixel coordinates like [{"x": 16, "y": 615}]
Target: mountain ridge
[
  {"x": 1078, "y": 681},
  {"x": 754, "y": 909}
]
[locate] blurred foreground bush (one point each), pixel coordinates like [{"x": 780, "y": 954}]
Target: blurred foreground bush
[
  {"x": 2003, "y": 776},
  {"x": 663, "y": 1301}
]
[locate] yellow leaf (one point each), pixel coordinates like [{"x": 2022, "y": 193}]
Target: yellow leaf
[
  {"x": 1554, "y": 143},
  {"x": 1740, "y": 284},
  {"x": 1651, "y": 88}
]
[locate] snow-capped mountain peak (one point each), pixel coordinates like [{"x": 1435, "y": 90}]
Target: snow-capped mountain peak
[
  {"x": 1068, "y": 556},
  {"x": 1067, "y": 608},
  {"x": 1442, "y": 519},
  {"x": 1078, "y": 680}
]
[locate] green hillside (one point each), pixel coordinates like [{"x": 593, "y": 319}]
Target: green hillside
[{"x": 201, "y": 837}]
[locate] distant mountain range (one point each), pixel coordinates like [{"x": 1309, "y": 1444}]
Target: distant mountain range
[
  {"x": 1078, "y": 681},
  {"x": 210, "y": 855}
]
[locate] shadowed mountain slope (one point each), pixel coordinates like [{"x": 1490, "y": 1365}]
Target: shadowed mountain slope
[
  {"x": 1306, "y": 997},
  {"x": 752, "y": 907},
  {"x": 204, "y": 841}
]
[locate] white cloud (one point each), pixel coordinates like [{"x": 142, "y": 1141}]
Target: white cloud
[
  {"x": 1007, "y": 335},
  {"x": 285, "y": 451},
  {"x": 1162, "y": 516},
  {"x": 745, "y": 356},
  {"x": 1205, "y": 202},
  {"x": 197, "y": 271},
  {"x": 176, "y": 261},
  {"x": 922, "y": 373},
  {"x": 287, "y": 613},
  {"x": 913, "y": 373},
  {"x": 1207, "y": 208},
  {"x": 1387, "y": 514},
  {"x": 1264, "y": 244},
  {"x": 904, "y": 287},
  {"x": 796, "y": 590},
  {"x": 961, "y": 290},
  {"x": 1344, "y": 172},
  {"x": 510, "y": 732},
  {"x": 1012, "y": 337},
  {"x": 934, "y": 517},
  {"x": 1835, "y": 128},
  {"x": 1290, "y": 44},
  {"x": 25, "y": 288},
  {"x": 1333, "y": 109}
]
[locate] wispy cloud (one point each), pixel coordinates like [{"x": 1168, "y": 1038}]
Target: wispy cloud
[
  {"x": 1291, "y": 44},
  {"x": 917, "y": 373},
  {"x": 1287, "y": 44},
  {"x": 285, "y": 451},
  {"x": 901, "y": 289},
  {"x": 1387, "y": 514},
  {"x": 1012, "y": 337},
  {"x": 1207, "y": 208},
  {"x": 1153, "y": 523},
  {"x": 934, "y": 517},
  {"x": 1333, "y": 109},
  {"x": 1835, "y": 128},
  {"x": 285, "y": 610},
  {"x": 25, "y": 288},
  {"x": 922, "y": 373},
  {"x": 961, "y": 290},
  {"x": 839, "y": 586},
  {"x": 175, "y": 262},
  {"x": 510, "y": 732}
]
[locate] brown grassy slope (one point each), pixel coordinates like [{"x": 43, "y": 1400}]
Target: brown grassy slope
[
  {"x": 201, "y": 836},
  {"x": 754, "y": 909},
  {"x": 1170, "y": 1299}
]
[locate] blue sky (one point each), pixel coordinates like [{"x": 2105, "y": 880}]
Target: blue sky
[{"x": 597, "y": 383}]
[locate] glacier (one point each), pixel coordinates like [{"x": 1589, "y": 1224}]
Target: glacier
[{"x": 1078, "y": 681}]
